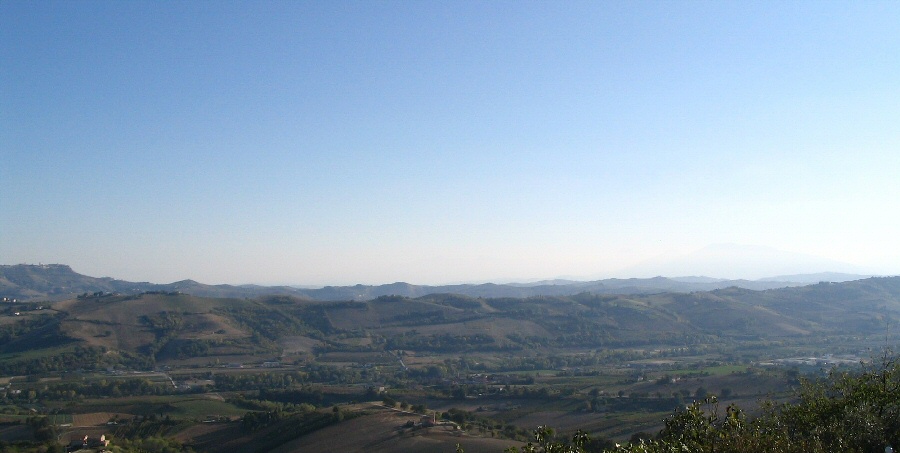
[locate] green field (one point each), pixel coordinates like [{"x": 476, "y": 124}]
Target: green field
[
  {"x": 200, "y": 408},
  {"x": 60, "y": 419},
  {"x": 611, "y": 365},
  {"x": 187, "y": 407}
]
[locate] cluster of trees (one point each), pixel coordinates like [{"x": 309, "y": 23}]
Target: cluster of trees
[
  {"x": 252, "y": 421},
  {"x": 453, "y": 367},
  {"x": 305, "y": 394},
  {"x": 146, "y": 436},
  {"x": 546, "y": 441},
  {"x": 471, "y": 421},
  {"x": 523, "y": 392},
  {"x": 442, "y": 343},
  {"x": 283, "y": 426},
  {"x": 147, "y": 427},
  {"x": 10, "y": 308},
  {"x": 182, "y": 349},
  {"x": 847, "y": 412},
  {"x": 303, "y": 415},
  {"x": 43, "y": 429},
  {"x": 72, "y": 390},
  {"x": 162, "y": 293},
  {"x": 44, "y": 331},
  {"x": 179, "y": 348},
  {"x": 165, "y": 326},
  {"x": 77, "y": 358},
  {"x": 256, "y": 381},
  {"x": 390, "y": 402},
  {"x": 574, "y": 362},
  {"x": 340, "y": 375},
  {"x": 155, "y": 444},
  {"x": 419, "y": 317},
  {"x": 99, "y": 294},
  {"x": 269, "y": 323}
]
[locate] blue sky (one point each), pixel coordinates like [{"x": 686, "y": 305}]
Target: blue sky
[{"x": 372, "y": 142}]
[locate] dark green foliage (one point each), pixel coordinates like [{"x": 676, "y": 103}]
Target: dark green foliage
[
  {"x": 280, "y": 427},
  {"x": 475, "y": 421},
  {"x": 76, "y": 389},
  {"x": 269, "y": 322},
  {"x": 76, "y": 358},
  {"x": 308, "y": 395},
  {"x": 32, "y": 333},
  {"x": 546, "y": 441},
  {"x": 156, "y": 444},
  {"x": 846, "y": 412},
  {"x": 43, "y": 430},
  {"x": 441, "y": 343},
  {"x": 182, "y": 349},
  {"x": 257, "y": 381},
  {"x": 252, "y": 421},
  {"x": 153, "y": 426},
  {"x": 850, "y": 412}
]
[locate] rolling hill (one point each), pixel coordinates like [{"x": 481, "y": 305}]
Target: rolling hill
[
  {"x": 58, "y": 281},
  {"x": 176, "y": 328}
]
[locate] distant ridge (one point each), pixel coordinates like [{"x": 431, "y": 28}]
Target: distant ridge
[
  {"x": 833, "y": 277},
  {"x": 739, "y": 260},
  {"x": 34, "y": 282},
  {"x": 700, "y": 279},
  {"x": 29, "y": 282}
]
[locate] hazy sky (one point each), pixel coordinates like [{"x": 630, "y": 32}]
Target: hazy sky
[{"x": 370, "y": 142}]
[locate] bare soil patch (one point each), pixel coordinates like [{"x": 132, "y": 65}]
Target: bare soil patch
[
  {"x": 384, "y": 432},
  {"x": 94, "y": 419}
]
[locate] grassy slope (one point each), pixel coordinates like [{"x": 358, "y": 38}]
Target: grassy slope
[{"x": 121, "y": 322}]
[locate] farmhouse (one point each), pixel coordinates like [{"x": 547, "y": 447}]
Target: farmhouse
[{"x": 88, "y": 442}]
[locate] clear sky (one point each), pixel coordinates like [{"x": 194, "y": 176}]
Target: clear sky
[{"x": 430, "y": 142}]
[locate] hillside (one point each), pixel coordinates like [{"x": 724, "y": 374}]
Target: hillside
[
  {"x": 174, "y": 328},
  {"x": 58, "y": 281},
  {"x": 286, "y": 373}
]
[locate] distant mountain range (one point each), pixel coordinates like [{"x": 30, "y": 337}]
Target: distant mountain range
[
  {"x": 26, "y": 282},
  {"x": 740, "y": 260}
]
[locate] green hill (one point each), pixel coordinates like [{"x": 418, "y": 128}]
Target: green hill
[
  {"x": 57, "y": 282},
  {"x": 171, "y": 327}
]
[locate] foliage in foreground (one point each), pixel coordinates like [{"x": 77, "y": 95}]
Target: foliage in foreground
[{"x": 847, "y": 412}]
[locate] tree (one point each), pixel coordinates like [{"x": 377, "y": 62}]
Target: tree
[
  {"x": 846, "y": 412},
  {"x": 546, "y": 442},
  {"x": 701, "y": 393}
]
